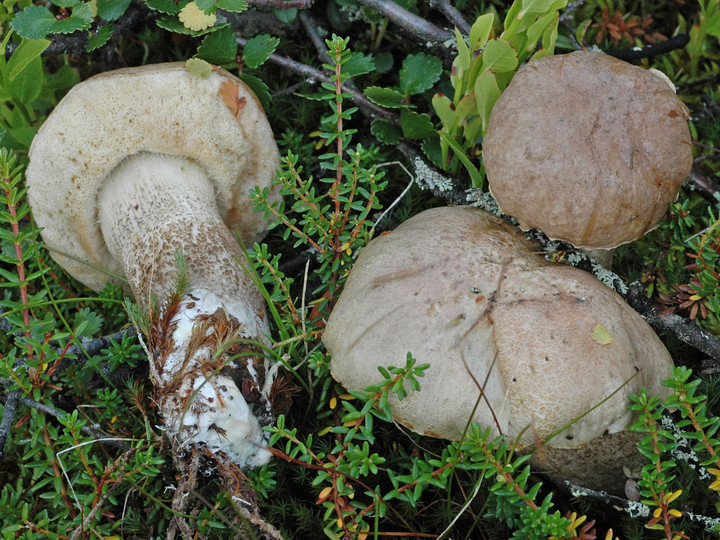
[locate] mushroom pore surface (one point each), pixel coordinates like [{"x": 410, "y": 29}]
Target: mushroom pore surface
[
  {"x": 587, "y": 149},
  {"x": 537, "y": 345}
]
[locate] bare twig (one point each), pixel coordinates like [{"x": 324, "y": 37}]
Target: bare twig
[
  {"x": 415, "y": 25},
  {"x": 314, "y": 75},
  {"x": 675, "y": 42},
  {"x": 452, "y": 14},
  {"x": 92, "y": 431},
  {"x": 11, "y": 403},
  {"x": 631, "y": 508},
  {"x": 704, "y": 184}
]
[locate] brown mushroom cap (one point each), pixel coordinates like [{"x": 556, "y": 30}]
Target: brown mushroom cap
[
  {"x": 163, "y": 109},
  {"x": 462, "y": 291},
  {"x": 587, "y": 149}
]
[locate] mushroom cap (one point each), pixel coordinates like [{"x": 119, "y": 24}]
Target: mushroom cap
[
  {"x": 587, "y": 149},
  {"x": 462, "y": 291},
  {"x": 160, "y": 108}
]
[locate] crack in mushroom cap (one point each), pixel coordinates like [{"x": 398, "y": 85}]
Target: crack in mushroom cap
[
  {"x": 462, "y": 291},
  {"x": 160, "y": 108},
  {"x": 587, "y": 149}
]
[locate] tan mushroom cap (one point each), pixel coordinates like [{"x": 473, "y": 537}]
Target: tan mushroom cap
[
  {"x": 587, "y": 149},
  {"x": 161, "y": 109},
  {"x": 462, "y": 291}
]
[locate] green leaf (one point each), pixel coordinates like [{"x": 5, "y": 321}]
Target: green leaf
[
  {"x": 475, "y": 175},
  {"x": 65, "y": 3},
  {"x": 28, "y": 84},
  {"x": 234, "y": 6},
  {"x": 172, "y": 24},
  {"x": 536, "y": 30},
  {"x": 102, "y": 36},
  {"x": 480, "y": 31},
  {"x": 499, "y": 56},
  {"x": 358, "y": 64},
  {"x": 386, "y": 97},
  {"x": 464, "y": 58},
  {"x": 446, "y": 111},
  {"x": 33, "y": 22},
  {"x": 81, "y": 19},
  {"x": 259, "y": 49},
  {"x": 169, "y": 7},
  {"x": 419, "y": 73},
  {"x": 198, "y": 67},
  {"x": 27, "y": 52},
  {"x": 286, "y": 15},
  {"x": 111, "y": 10},
  {"x": 258, "y": 86},
  {"x": 219, "y": 47},
  {"x": 385, "y": 132},
  {"x": 206, "y": 5},
  {"x": 416, "y": 125},
  {"x": 384, "y": 62},
  {"x": 487, "y": 93}
]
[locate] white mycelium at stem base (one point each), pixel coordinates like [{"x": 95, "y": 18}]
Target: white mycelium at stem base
[{"x": 211, "y": 385}]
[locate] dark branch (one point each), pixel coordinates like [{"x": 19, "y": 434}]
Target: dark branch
[
  {"x": 11, "y": 403},
  {"x": 452, "y": 14},
  {"x": 314, "y": 75},
  {"x": 675, "y": 42},
  {"x": 417, "y": 26}
]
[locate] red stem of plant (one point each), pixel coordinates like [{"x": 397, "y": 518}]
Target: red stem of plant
[{"x": 20, "y": 266}]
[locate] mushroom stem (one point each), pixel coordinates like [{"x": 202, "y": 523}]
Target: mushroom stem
[{"x": 211, "y": 379}]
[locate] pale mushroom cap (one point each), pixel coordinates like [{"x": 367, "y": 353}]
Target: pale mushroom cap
[
  {"x": 587, "y": 149},
  {"x": 462, "y": 292},
  {"x": 158, "y": 109}
]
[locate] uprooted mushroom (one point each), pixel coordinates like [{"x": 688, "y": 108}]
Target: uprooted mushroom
[
  {"x": 547, "y": 353},
  {"x": 136, "y": 166},
  {"x": 587, "y": 149}
]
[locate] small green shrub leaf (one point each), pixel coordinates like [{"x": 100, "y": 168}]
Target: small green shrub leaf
[
  {"x": 416, "y": 125},
  {"x": 198, "y": 67},
  {"x": 33, "y": 22},
  {"x": 419, "y": 73},
  {"x": 487, "y": 93},
  {"x": 234, "y": 6},
  {"x": 27, "y": 84},
  {"x": 464, "y": 58},
  {"x": 286, "y": 15},
  {"x": 386, "y": 97},
  {"x": 163, "y": 6},
  {"x": 26, "y": 53},
  {"x": 81, "y": 19},
  {"x": 208, "y": 6},
  {"x": 219, "y": 47},
  {"x": 385, "y": 132},
  {"x": 259, "y": 49},
  {"x": 445, "y": 110},
  {"x": 111, "y": 10},
  {"x": 480, "y": 31},
  {"x": 358, "y": 64},
  {"x": 258, "y": 87},
  {"x": 65, "y": 3},
  {"x": 499, "y": 56},
  {"x": 102, "y": 36}
]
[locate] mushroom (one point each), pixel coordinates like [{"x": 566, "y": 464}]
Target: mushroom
[
  {"x": 137, "y": 165},
  {"x": 538, "y": 348},
  {"x": 587, "y": 149}
]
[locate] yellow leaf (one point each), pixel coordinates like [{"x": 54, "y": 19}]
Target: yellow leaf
[
  {"x": 195, "y": 18},
  {"x": 601, "y": 335}
]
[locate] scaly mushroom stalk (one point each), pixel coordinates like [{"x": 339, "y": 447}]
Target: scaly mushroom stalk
[{"x": 150, "y": 207}]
